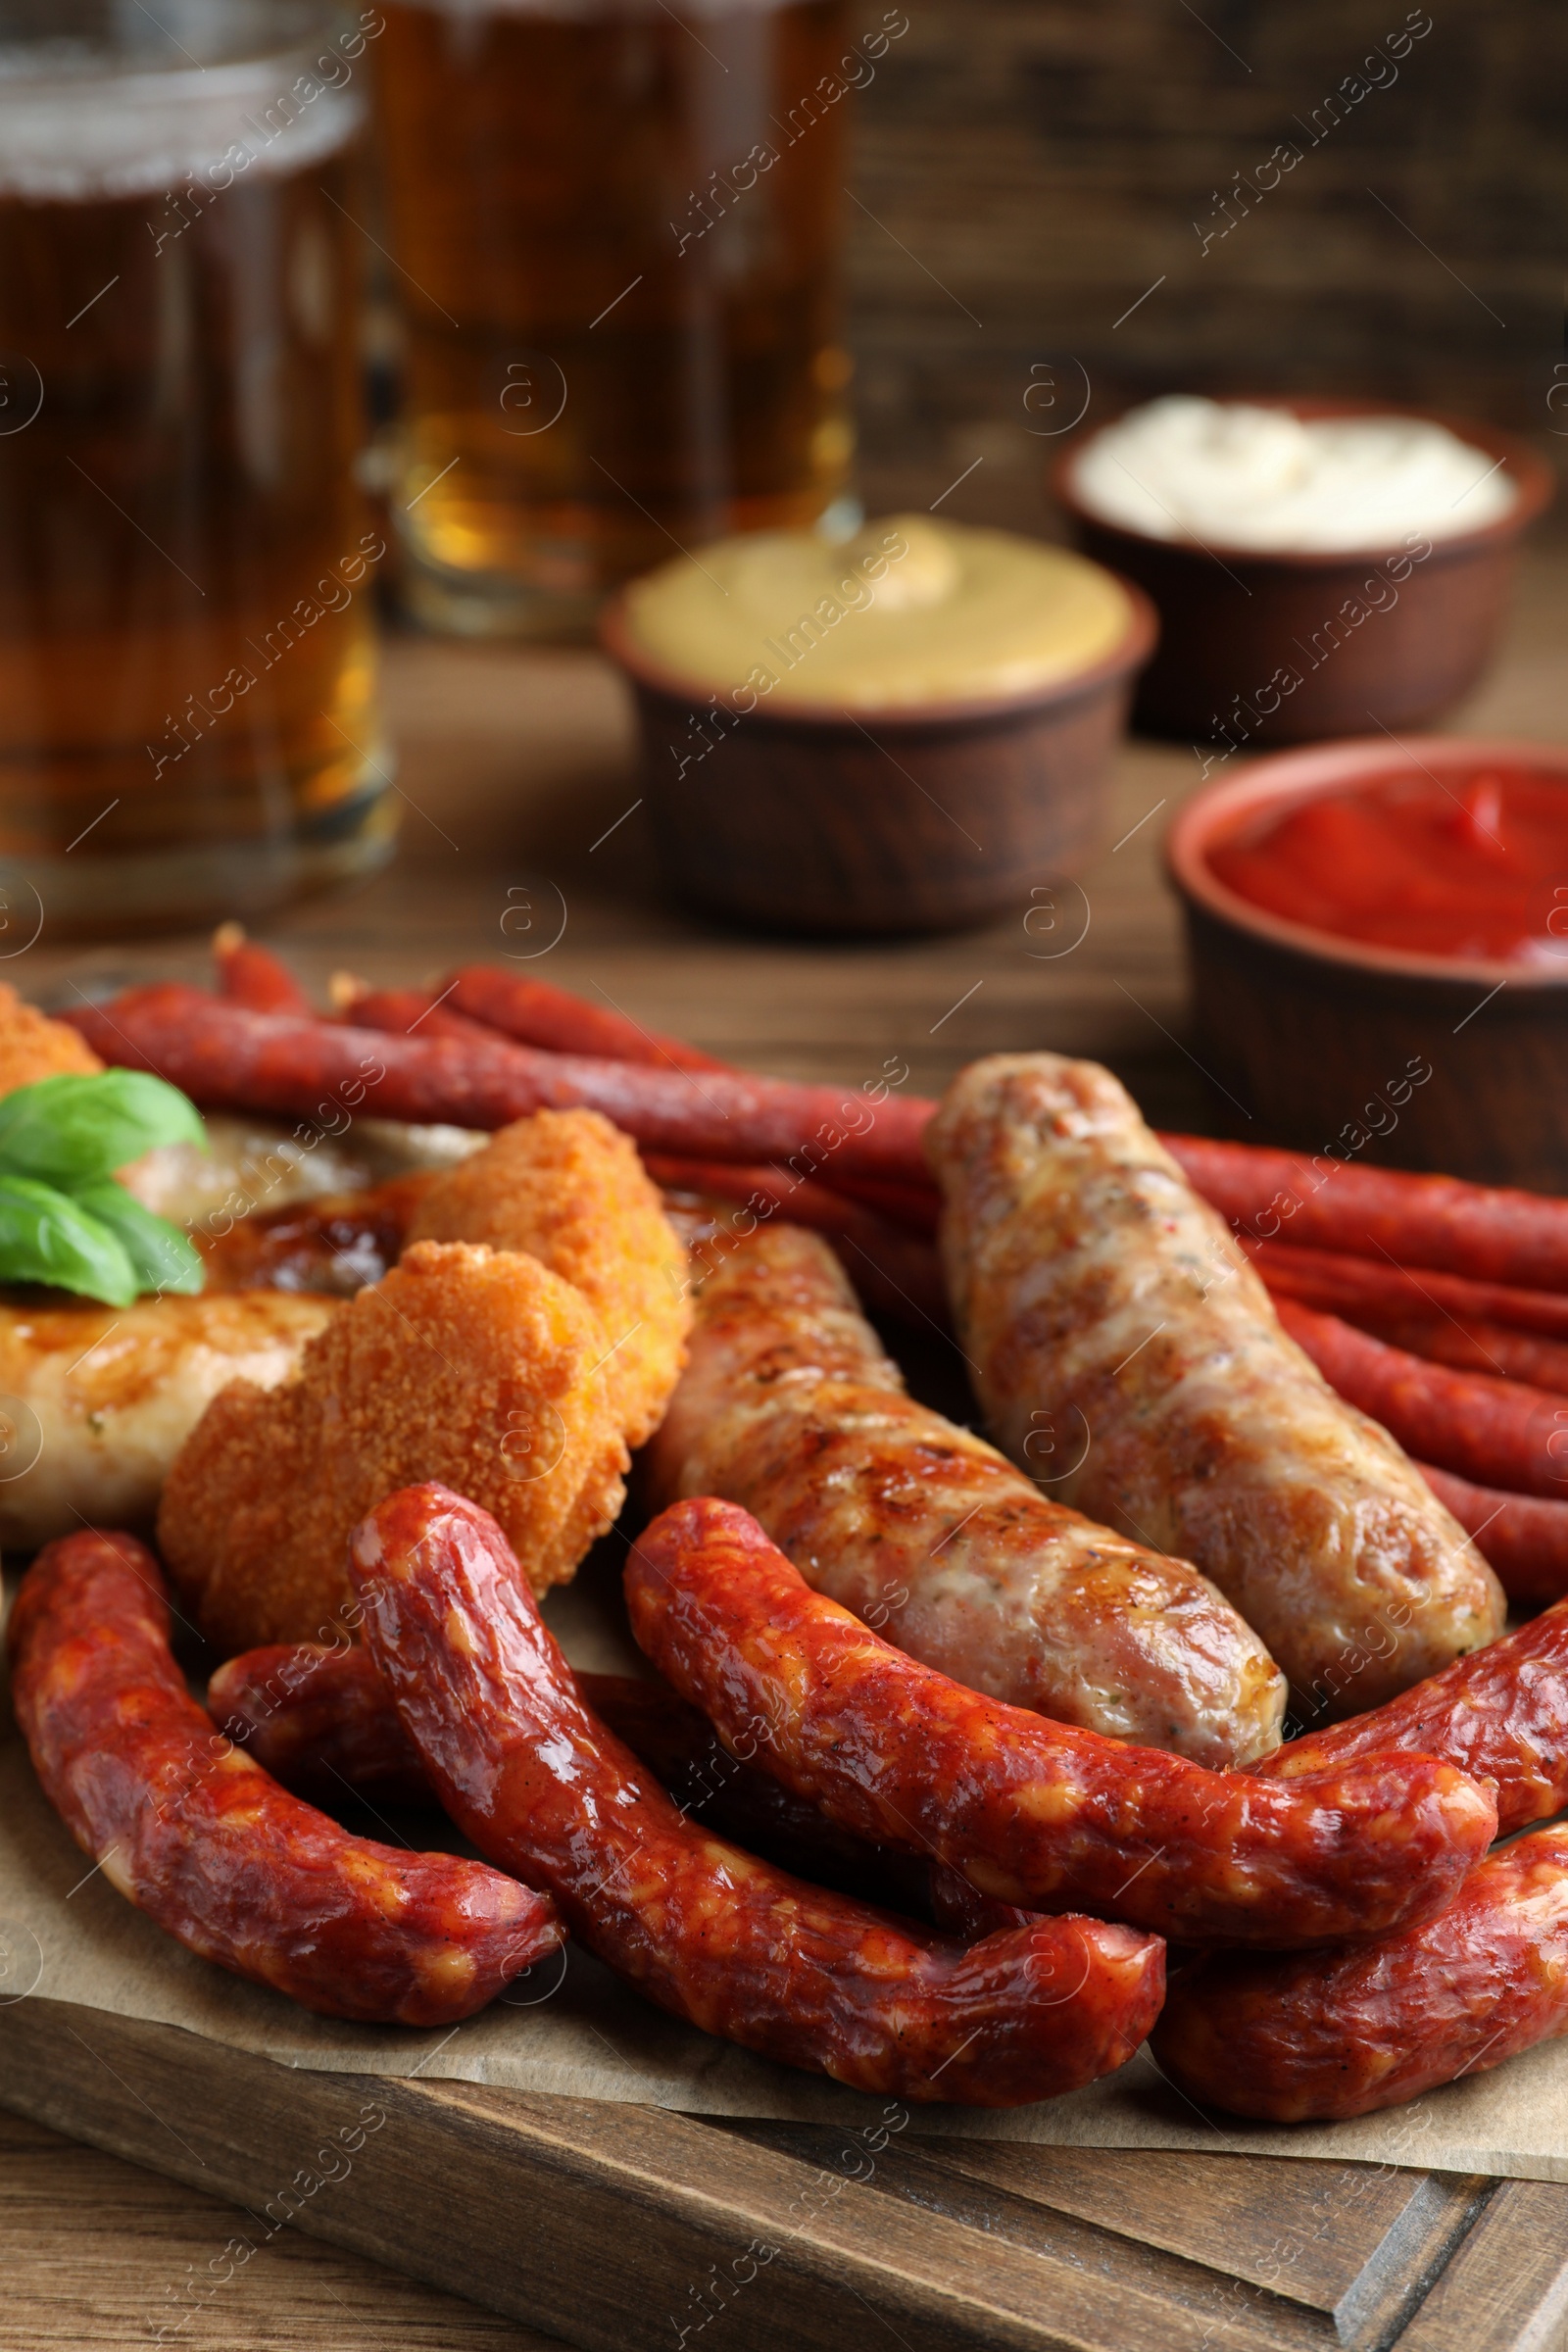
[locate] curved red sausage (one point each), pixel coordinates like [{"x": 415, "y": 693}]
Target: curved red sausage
[
  {"x": 728, "y": 1942},
  {"x": 535, "y": 1013},
  {"x": 1500, "y": 1715},
  {"x": 405, "y": 1013},
  {"x": 1424, "y": 1327},
  {"x": 1320, "y": 2035},
  {"x": 204, "y": 1842},
  {"x": 321, "y": 1720},
  {"x": 1037, "y": 1813}
]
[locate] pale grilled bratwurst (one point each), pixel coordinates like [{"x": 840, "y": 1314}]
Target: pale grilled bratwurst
[
  {"x": 95, "y": 1401},
  {"x": 790, "y": 1407},
  {"x": 1094, "y": 1288}
]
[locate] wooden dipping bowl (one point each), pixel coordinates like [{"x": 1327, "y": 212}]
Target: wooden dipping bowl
[
  {"x": 1231, "y": 618},
  {"x": 1314, "y": 1040},
  {"x": 911, "y": 818}
]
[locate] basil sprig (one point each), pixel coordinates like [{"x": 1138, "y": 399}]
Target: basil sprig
[{"x": 63, "y": 1218}]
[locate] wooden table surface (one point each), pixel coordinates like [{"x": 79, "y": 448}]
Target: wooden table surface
[{"x": 517, "y": 775}]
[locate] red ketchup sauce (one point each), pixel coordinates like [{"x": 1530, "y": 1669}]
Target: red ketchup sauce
[{"x": 1474, "y": 867}]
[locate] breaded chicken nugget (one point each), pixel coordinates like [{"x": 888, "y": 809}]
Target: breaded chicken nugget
[
  {"x": 568, "y": 1187},
  {"x": 475, "y": 1367},
  {"x": 34, "y": 1047}
]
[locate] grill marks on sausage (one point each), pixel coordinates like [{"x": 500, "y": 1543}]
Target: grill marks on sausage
[
  {"x": 790, "y": 1406},
  {"x": 1087, "y": 1278}
]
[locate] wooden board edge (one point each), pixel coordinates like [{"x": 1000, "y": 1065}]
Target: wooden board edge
[{"x": 574, "y": 2216}]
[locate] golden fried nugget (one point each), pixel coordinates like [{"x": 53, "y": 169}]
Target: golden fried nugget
[
  {"x": 476, "y": 1367},
  {"x": 34, "y": 1047},
  {"x": 568, "y": 1187}
]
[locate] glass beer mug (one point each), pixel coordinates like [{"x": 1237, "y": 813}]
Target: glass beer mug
[
  {"x": 617, "y": 229},
  {"x": 187, "y": 709}
]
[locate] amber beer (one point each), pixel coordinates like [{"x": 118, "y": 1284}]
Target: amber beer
[
  {"x": 618, "y": 234},
  {"x": 187, "y": 713}
]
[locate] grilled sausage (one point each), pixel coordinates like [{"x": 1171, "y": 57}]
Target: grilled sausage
[
  {"x": 1036, "y": 1813},
  {"x": 790, "y": 1406},
  {"x": 95, "y": 1401},
  {"x": 1090, "y": 1281},
  {"x": 200, "y": 1839},
  {"x": 701, "y": 1928}
]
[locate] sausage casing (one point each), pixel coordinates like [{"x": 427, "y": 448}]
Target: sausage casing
[
  {"x": 1524, "y": 1536},
  {"x": 220, "y": 1054},
  {"x": 1500, "y": 1715},
  {"x": 1090, "y": 1283},
  {"x": 790, "y": 1406},
  {"x": 1320, "y": 2035},
  {"x": 200, "y": 1839},
  {"x": 729, "y": 1943},
  {"x": 1037, "y": 1813},
  {"x": 321, "y": 1720}
]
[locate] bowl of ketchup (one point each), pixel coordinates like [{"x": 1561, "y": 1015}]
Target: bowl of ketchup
[{"x": 1377, "y": 936}]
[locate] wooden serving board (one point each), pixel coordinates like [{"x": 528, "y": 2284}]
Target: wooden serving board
[{"x": 617, "y": 2226}]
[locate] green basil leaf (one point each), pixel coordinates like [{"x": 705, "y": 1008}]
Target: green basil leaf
[
  {"x": 162, "y": 1257},
  {"x": 73, "y": 1129},
  {"x": 46, "y": 1237}
]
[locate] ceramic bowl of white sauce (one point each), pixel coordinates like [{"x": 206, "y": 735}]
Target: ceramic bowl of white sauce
[{"x": 1320, "y": 568}]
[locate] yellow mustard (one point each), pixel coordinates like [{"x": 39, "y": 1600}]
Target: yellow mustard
[{"x": 912, "y": 610}]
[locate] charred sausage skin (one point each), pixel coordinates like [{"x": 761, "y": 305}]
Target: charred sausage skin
[
  {"x": 191, "y": 1830},
  {"x": 790, "y": 1406},
  {"x": 1091, "y": 1285},
  {"x": 731, "y": 1943}
]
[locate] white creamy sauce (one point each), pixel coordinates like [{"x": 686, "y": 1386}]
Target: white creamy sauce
[{"x": 1229, "y": 474}]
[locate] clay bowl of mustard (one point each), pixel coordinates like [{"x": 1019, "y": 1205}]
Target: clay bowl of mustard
[
  {"x": 905, "y": 732},
  {"x": 1378, "y": 938},
  {"x": 1318, "y": 566}
]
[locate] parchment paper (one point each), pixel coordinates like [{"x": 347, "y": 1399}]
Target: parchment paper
[{"x": 66, "y": 1935}]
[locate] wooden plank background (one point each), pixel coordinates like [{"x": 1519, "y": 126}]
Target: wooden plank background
[{"x": 1030, "y": 167}]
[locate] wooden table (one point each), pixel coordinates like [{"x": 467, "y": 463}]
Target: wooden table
[{"x": 518, "y": 777}]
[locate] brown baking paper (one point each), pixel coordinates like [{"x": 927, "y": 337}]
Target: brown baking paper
[{"x": 577, "y": 2032}]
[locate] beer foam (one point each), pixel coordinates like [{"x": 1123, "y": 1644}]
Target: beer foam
[{"x": 68, "y": 136}]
